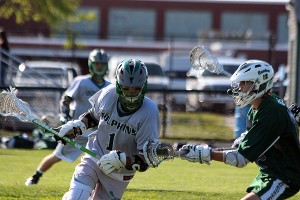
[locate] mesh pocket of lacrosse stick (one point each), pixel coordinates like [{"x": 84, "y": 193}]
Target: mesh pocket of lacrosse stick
[
  {"x": 155, "y": 152},
  {"x": 10, "y": 105},
  {"x": 200, "y": 58}
]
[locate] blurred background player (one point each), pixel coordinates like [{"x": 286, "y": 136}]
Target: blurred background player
[
  {"x": 272, "y": 142},
  {"x": 126, "y": 120},
  {"x": 77, "y": 94},
  {"x": 241, "y": 121}
]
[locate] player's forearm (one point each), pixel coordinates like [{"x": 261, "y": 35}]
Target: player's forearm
[
  {"x": 217, "y": 156},
  {"x": 65, "y": 105},
  {"x": 89, "y": 120}
]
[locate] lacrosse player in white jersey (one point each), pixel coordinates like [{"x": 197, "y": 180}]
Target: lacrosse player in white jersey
[
  {"x": 126, "y": 120},
  {"x": 78, "y": 93}
]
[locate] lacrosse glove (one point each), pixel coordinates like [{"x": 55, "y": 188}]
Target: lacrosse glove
[
  {"x": 114, "y": 160},
  {"x": 71, "y": 130},
  {"x": 64, "y": 118},
  {"x": 197, "y": 153},
  {"x": 238, "y": 140},
  {"x": 296, "y": 112}
]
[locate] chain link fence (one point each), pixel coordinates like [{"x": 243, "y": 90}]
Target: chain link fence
[{"x": 177, "y": 123}]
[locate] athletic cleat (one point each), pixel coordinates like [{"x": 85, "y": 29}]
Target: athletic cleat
[{"x": 32, "y": 180}]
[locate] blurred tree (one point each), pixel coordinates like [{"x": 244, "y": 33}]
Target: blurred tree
[
  {"x": 58, "y": 14},
  {"x": 51, "y": 12}
]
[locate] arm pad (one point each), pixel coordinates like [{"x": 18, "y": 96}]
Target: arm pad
[
  {"x": 234, "y": 158},
  {"x": 91, "y": 121},
  {"x": 139, "y": 164}
]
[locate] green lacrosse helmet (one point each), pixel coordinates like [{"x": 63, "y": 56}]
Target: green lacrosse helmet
[
  {"x": 131, "y": 73},
  {"x": 97, "y": 56}
]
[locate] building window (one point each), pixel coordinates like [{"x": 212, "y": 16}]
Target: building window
[
  {"x": 282, "y": 28},
  {"x": 186, "y": 24},
  {"x": 253, "y": 23},
  {"x": 88, "y": 29},
  {"x": 138, "y": 24}
]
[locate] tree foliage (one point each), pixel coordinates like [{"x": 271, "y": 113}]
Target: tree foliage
[{"x": 49, "y": 11}]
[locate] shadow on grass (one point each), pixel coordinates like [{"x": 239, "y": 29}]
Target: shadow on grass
[{"x": 175, "y": 194}]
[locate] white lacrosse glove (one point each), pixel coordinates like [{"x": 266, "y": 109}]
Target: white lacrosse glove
[
  {"x": 114, "y": 160},
  {"x": 197, "y": 153},
  {"x": 296, "y": 112},
  {"x": 238, "y": 140},
  {"x": 72, "y": 129}
]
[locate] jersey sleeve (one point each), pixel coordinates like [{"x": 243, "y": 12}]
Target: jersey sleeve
[
  {"x": 149, "y": 128},
  {"x": 73, "y": 90},
  {"x": 98, "y": 101}
]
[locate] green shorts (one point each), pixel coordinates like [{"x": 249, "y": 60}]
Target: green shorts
[{"x": 267, "y": 187}]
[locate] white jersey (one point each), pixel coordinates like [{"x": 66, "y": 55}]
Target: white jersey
[
  {"x": 81, "y": 89},
  {"x": 117, "y": 131}
]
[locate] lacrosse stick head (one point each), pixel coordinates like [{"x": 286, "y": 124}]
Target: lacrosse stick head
[
  {"x": 155, "y": 152},
  {"x": 10, "y": 105},
  {"x": 201, "y": 59}
]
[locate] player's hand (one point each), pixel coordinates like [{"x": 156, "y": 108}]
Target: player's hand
[
  {"x": 296, "y": 112},
  {"x": 64, "y": 118},
  {"x": 238, "y": 140},
  {"x": 114, "y": 160},
  {"x": 72, "y": 129},
  {"x": 197, "y": 153}
]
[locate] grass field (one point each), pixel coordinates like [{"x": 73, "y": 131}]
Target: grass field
[{"x": 175, "y": 179}]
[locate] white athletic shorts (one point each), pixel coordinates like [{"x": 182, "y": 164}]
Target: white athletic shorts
[
  {"x": 88, "y": 173},
  {"x": 70, "y": 153}
]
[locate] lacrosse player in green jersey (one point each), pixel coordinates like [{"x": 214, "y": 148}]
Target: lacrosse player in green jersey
[
  {"x": 272, "y": 142},
  {"x": 78, "y": 94}
]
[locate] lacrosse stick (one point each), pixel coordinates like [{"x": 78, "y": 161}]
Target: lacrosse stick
[
  {"x": 155, "y": 152},
  {"x": 201, "y": 59},
  {"x": 223, "y": 149},
  {"x": 10, "y": 105}
]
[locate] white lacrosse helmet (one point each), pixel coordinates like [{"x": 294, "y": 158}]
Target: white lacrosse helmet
[{"x": 260, "y": 73}]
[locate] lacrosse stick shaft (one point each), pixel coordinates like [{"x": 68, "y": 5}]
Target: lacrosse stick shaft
[
  {"x": 223, "y": 149},
  {"x": 68, "y": 140},
  {"x": 10, "y": 105}
]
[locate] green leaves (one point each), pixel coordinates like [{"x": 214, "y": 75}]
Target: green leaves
[{"x": 48, "y": 11}]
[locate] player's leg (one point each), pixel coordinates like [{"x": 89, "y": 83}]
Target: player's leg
[
  {"x": 265, "y": 187},
  {"x": 44, "y": 165},
  {"x": 251, "y": 196},
  {"x": 83, "y": 182}
]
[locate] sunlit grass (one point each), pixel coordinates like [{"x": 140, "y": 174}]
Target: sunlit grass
[{"x": 176, "y": 179}]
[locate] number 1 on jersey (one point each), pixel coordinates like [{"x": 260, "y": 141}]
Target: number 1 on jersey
[{"x": 111, "y": 141}]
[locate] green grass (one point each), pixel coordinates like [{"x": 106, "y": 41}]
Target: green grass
[
  {"x": 199, "y": 126},
  {"x": 175, "y": 179}
]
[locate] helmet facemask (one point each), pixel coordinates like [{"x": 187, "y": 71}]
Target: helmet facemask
[
  {"x": 242, "y": 98},
  {"x": 131, "y": 101},
  {"x": 131, "y": 83},
  {"x": 96, "y": 72}
]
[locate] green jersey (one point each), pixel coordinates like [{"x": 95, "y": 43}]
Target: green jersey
[{"x": 273, "y": 141}]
